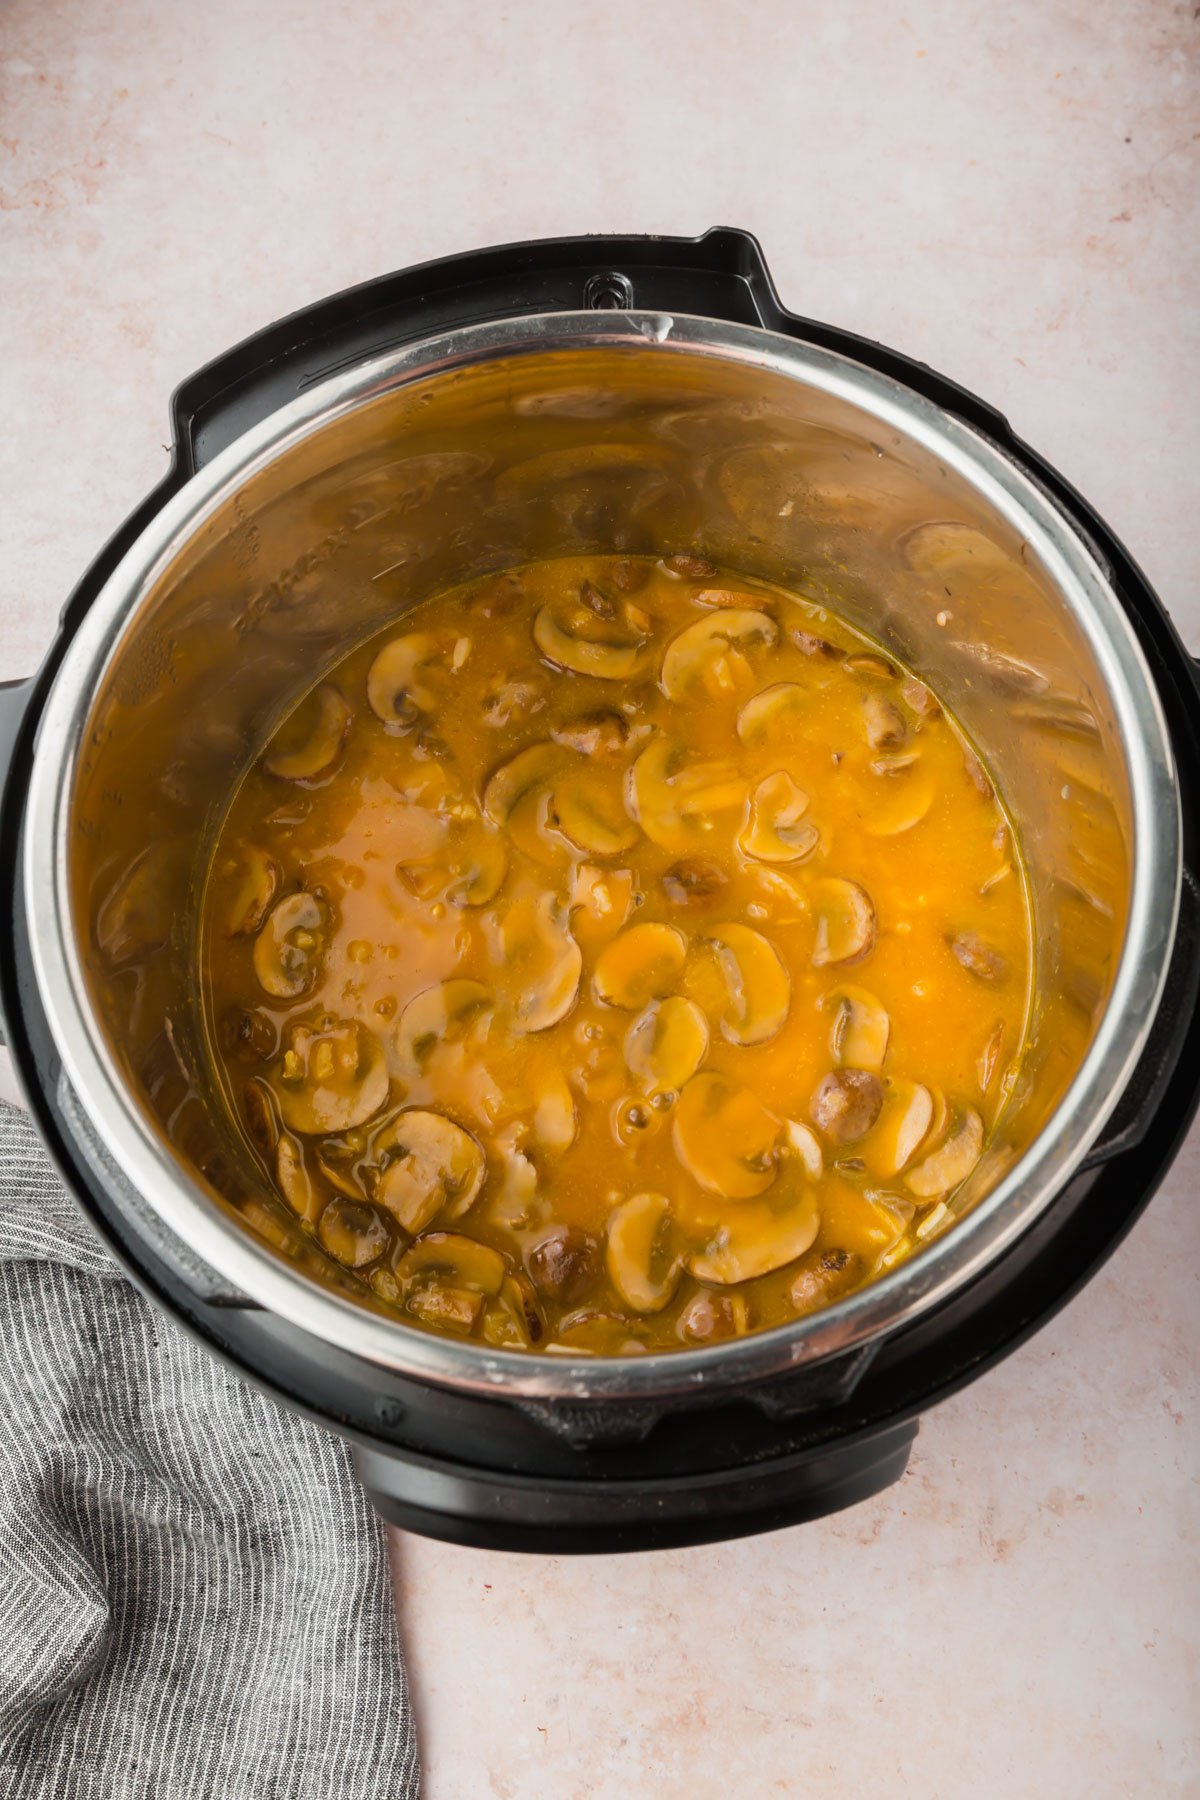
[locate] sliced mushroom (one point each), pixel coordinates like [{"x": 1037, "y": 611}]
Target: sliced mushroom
[
  {"x": 709, "y": 1318},
  {"x": 334, "y": 1076},
  {"x": 919, "y": 698},
  {"x": 322, "y": 741},
  {"x": 806, "y": 1145},
  {"x": 353, "y": 1231},
  {"x": 810, "y": 645},
  {"x": 446, "y": 1308},
  {"x": 989, "y": 1056},
  {"x": 439, "y": 1014},
  {"x": 831, "y": 1274},
  {"x": 858, "y": 1036},
  {"x": 554, "y": 1116},
  {"x": 449, "y": 1257},
  {"x": 690, "y": 564},
  {"x": 288, "y": 949},
  {"x": 294, "y": 1181},
  {"x": 757, "y": 1242},
  {"x": 769, "y": 717},
  {"x": 601, "y": 733},
  {"x": 676, "y": 804},
  {"x": 589, "y": 809},
  {"x": 534, "y": 767},
  {"x": 600, "y": 900},
  {"x": 643, "y": 1263},
  {"x": 642, "y": 963},
  {"x": 394, "y": 691},
  {"x": 609, "y": 659},
  {"x": 711, "y": 653},
  {"x": 902, "y": 796},
  {"x": 978, "y": 957},
  {"x": 513, "y": 1321},
  {"x": 883, "y": 720},
  {"x": 262, "y": 1120},
  {"x": 432, "y": 1166},
  {"x": 846, "y": 922},
  {"x": 694, "y": 881},
  {"x": 949, "y": 1165},
  {"x": 543, "y": 961},
  {"x": 845, "y": 1104},
  {"x": 776, "y": 831},
  {"x": 978, "y": 775},
  {"x": 478, "y": 867},
  {"x": 757, "y": 985},
  {"x": 340, "y": 1179},
  {"x": 256, "y": 889},
  {"x": 877, "y": 668},
  {"x": 598, "y": 1334},
  {"x": 902, "y": 1127},
  {"x": 563, "y": 1262},
  {"x": 725, "y": 1137},
  {"x": 666, "y": 1043}
]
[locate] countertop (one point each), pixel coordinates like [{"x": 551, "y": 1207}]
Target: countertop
[{"x": 1008, "y": 193}]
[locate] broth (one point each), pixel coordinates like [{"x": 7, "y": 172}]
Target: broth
[{"x": 616, "y": 955}]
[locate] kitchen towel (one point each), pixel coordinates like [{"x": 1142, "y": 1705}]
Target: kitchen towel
[{"x": 195, "y": 1600}]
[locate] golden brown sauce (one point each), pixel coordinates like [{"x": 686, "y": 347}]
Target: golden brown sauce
[{"x": 616, "y": 955}]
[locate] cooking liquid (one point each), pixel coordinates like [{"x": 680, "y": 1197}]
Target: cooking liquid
[{"x": 616, "y": 955}]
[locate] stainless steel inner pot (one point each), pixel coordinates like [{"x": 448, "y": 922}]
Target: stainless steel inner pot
[{"x": 530, "y": 437}]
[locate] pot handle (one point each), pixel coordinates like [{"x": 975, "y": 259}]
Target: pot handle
[{"x": 719, "y": 275}]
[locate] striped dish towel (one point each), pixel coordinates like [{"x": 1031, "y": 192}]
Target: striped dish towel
[{"x": 195, "y": 1601}]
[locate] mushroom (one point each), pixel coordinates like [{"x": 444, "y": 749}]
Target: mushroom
[
  {"x": 757, "y": 985},
  {"x": 845, "y": 1104},
  {"x": 877, "y": 668},
  {"x": 334, "y": 1076},
  {"x": 600, "y": 733},
  {"x": 832, "y": 1274},
  {"x": 690, "y": 564},
  {"x": 710, "y": 654},
  {"x": 513, "y": 1321},
  {"x": 725, "y": 1137},
  {"x": 600, "y": 900},
  {"x": 977, "y": 775},
  {"x": 718, "y": 597},
  {"x": 883, "y": 720},
  {"x": 262, "y": 1121},
  {"x": 554, "y": 1116},
  {"x": 757, "y": 1242},
  {"x": 978, "y": 957},
  {"x": 846, "y": 922},
  {"x": 394, "y": 692},
  {"x": 772, "y": 714},
  {"x": 543, "y": 960},
  {"x": 438, "y": 1014},
  {"x": 675, "y": 803},
  {"x": 902, "y": 1127},
  {"x": 431, "y": 1166},
  {"x": 708, "y": 1317},
  {"x": 446, "y": 1308},
  {"x": 666, "y": 1044},
  {"x": 642, "y": 963},
  {"x": 563, "y": 1262},
  {"x": 478, "y": 867},
  {"x": 534, "y": 767},
  {"x": 694, "y": 881},
  {"x": 858, "y": 1036},
  {"x": 597, "y": 1334},
  {"x": 903, "y": 796},
  {"x": 294, "y": 1181},
  {"x": 450, "y": 1258},
  {"x": 806, "y": 1145},
  {"x": 953, "y": 1161},
  {"x": 776, "y": 831},
  {"x": 256, "y": 889},
  {"x": 989, "y": 1056},
  {"x": 322, "y": 741},
  {"x": 643, "y": 1264},
  {"x": 589, "y": 809},
  {"x": 352, "y": 1231},
  {"x": 809, "y": 644},
  {"x": 287, "y": 951},
  {"x": 919, "y": 698},
  {"x": 609, "y": 659}
]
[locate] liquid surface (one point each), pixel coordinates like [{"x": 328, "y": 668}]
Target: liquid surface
[{"x": 616, "y": 955}]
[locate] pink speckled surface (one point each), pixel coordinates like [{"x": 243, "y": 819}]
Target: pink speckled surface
[{"x": 1010, "y": 193}]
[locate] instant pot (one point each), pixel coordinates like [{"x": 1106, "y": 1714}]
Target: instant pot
[{"x": 646, "y": 396}]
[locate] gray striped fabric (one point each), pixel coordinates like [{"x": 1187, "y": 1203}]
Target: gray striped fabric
[{"x": 194, "y": 1593}]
